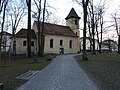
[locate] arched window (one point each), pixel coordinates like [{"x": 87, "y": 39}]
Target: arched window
[
  {"x": 70, "y": 44},
  {"x": 24, "y": 43},
  {"x": 51, "y": 43},
  {"x": 61, "y": 42},
  {"x": 32, "y": 43}
]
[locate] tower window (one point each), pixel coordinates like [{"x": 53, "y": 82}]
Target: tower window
[{"x": 76, "y": 21}]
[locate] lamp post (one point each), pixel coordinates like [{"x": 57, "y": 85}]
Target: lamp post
[{"x": 119, "y": 41}]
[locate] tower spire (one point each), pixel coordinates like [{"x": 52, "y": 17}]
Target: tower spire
[
  {"x": 72, "y": 14},
  {"x": 72, "y": 20}
]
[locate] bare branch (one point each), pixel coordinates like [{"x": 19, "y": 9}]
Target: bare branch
[
  {"x": 16, "y": 12},
  {"x": 36, "y": 4},
  {"x": 27, "y": 1},
  {"x": 1, "y": 5},
  {"x": 78, "y": 2}
]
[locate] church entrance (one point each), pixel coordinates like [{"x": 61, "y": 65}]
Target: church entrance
[{"x": 61, "y": 50}]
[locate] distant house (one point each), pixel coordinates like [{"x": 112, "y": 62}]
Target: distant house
[
  {"x": 6, "y": 41},
  {"x": 106, "y": 46},
  {"x": 58, "y": 38},
  {"x": 109, "y": 45}
]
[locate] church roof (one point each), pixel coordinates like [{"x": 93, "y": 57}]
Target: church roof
[
  {"x": 72, "y": 14},
  {"x": 23, "y": 34},
  {"x": 55, "y": 29},
  {"x": 6, "y": 33}
]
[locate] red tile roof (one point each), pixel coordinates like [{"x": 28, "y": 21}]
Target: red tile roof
[
  {"x": 55, "y": 29},
  {"x": 23, "y": 34},
  {"x": 6, "y": 33}
]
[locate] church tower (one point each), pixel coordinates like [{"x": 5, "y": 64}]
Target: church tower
[{"x": 72, "y": 20}]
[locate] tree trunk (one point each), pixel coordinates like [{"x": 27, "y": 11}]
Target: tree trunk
[
  {"x": 93, "y": 39},
  {"x": 93, "y": 30},
  {"x": 90, "y": 39},
  {"x": 2, "y": 27},
  {"x": 39, "y": 44},
  {"x": 85, "y": 4},
  {"x": 14, "y": 41},
  {"x": 39, "y": 29},
  {"x": 29, "y": 30},
  {"x": 119, "y": 44},
  {"x": 109, "y": 45},
  {"x": 97, "y": 36},
  {"x": 101, "y": 25},
  {"x": 42, "y": 35},
  {"x": 90, "y": 34}
]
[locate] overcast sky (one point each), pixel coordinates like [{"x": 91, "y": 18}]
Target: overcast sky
[{"x": 63, "y": 7}]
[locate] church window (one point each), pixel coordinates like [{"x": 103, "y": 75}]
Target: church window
[
  {"x": 51, "y": 43},
  {"x": 61, "y": 42},
  {"x": 76, "y": 22},
  {"x": 70, "y": 44},
  {"x": 32, "y": 43},
  {"x": 24, "y": 43}
]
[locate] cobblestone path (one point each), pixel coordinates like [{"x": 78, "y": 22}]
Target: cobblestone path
[{"x": 62, "y": 74}]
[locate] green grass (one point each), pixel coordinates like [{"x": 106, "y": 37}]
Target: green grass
[
  {"x": 103, "y": 69},
  {"x": 105, "y": 56},
  {"x": 16, "y": 67}
]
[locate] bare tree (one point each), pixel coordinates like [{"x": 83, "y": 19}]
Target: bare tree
[
  {"x": 38, "y": 17},
  {"x": 3, "y": 5},
  {"x": 116, "y": 18},
  {"x": 16, "y": 11},
  {"x": 96, "y": 13},
  {"x": 41, "y": 17},
  {"x": 84, "y": 4},
  {"x": 92, "y": 24},
  {"x": 50, "y": 17},
  {"x": 42, "y": 34},
  {"x": 101, "y": 9}
]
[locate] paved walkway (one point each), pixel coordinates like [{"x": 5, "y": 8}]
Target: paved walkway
[{"x": 62, "y": 74}]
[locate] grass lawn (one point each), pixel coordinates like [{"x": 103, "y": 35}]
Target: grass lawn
[
  {"x": 104, "y": 69},
  {"x": 17, "y": 67}
]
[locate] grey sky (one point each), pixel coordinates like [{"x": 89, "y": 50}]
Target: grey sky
[{"x": 64, "y": 6}]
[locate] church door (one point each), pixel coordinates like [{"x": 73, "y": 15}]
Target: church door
[{"x": 61, "y": 50}]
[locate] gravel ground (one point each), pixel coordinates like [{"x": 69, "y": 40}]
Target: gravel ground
[{"x": 62, "y": 74}]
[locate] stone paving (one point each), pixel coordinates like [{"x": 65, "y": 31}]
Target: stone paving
[
  {"x": 28, "y": 75},
  {"x": 62, "y": 74}
]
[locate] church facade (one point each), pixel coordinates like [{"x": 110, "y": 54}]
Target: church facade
[{"x": 57, "y": 38}]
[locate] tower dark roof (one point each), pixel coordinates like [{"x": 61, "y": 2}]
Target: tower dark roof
[{"x": 72, "y": 14}]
